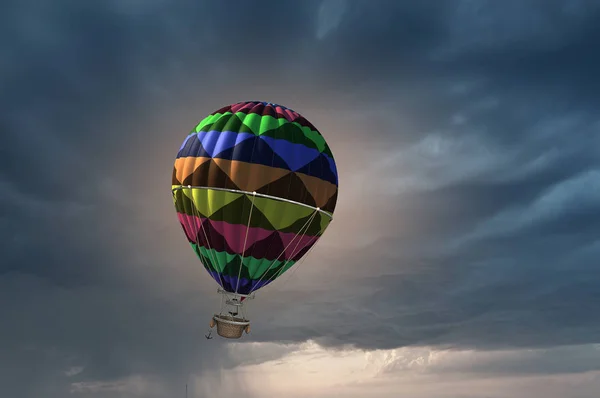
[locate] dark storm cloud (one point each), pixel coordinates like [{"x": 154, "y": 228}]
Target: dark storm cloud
[
  {"x": 468, "y": 119},
  {"x": 525, "y": 175}
]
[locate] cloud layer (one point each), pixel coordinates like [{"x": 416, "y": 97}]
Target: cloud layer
[{"x": 467, "y": 143}]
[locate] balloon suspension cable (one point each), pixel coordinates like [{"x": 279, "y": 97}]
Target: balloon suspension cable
[
  {"x": 232, "y": 318},
  {"x": 232, "y": 304},
  {"x": 245, "y": 242},
  {"x": 297, "y": 265},
  {"x": 300, "y": 233},
  {"x": 294, "y": 252}
]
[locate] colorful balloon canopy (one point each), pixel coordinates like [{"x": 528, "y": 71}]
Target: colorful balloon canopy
[{"x": 255, "y": 186}]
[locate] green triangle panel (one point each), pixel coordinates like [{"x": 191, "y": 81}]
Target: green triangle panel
[
  {"x": 256, "y": 124},
  {"x": 291, "y": 132},
  {"x": 210, "y": 120},
  {"x": 227, "y": 122},
  {"x": 208, "y": 265},
  {"x": 281, "y": 214},
  {"x": 309, "y": 225},
  {"x": 238, "y": 212},
  {"x": 203, "y": 201},
  {"x": 229, "y": 264}
]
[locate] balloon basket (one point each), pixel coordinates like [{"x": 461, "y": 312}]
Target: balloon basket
[
  {"x": 231, "y": 327},
  {"x": 231, "y": 322}
]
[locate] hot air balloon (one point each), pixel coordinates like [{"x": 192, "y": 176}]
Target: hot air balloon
[{"x": 254, "y": 186}]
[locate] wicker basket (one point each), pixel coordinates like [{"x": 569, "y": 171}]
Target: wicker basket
[{"x": 231, "y": 327}]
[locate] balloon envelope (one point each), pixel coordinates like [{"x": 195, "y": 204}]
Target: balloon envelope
[{"x": 254, "y": 186}]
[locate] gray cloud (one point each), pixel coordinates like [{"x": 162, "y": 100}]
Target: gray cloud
[{"x": 466, "y": 138}]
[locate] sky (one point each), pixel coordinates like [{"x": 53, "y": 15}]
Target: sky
[{"x": 463, "y": 258}]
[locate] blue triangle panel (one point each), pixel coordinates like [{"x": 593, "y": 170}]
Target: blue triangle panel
[
  {"x": 295, "y": 155},
  {"x": 192, "y": 147},
  {"x": 254, "y": 150},
  {"x": 319, "y": 168}
]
